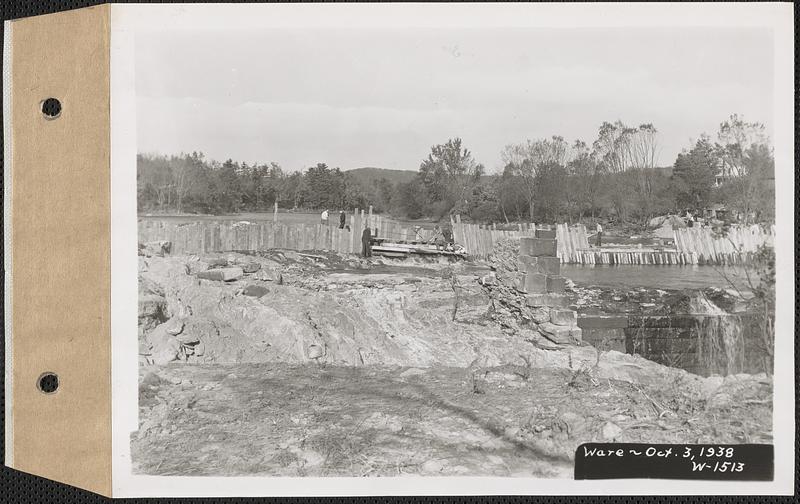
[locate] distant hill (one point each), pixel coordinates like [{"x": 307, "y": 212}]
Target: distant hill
[{"x": 368, "y": 174}]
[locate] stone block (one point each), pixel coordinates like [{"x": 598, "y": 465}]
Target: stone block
[
  {"x": 556, "y": 333},
  {"x": 555, "y": 284},
  {"x": 549, "y": 265},
  {"x": 603, "y": 321},
  {"x": 535, "y": 283},
  {"x": 604, "y": 339},
  {"x": 549, "y": 300},
  {"x": 663, "y": 321},
  {"x": 537, "y": 247},
  {"x": 549, "y": 234},
  {"x": 519, "y": 283},
  {"x": 221, "y": 274},
  {"x": 576, "y": 333},
  {"x": 544, "y": 264},
  {"x": 563, "y": 317},
  {"x": 524, "y": 260}
]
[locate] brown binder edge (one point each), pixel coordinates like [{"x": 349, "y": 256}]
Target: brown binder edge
[{"x": 57, "y": 229}]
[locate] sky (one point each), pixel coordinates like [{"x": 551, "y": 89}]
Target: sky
[{"x": 364, "y": 97}]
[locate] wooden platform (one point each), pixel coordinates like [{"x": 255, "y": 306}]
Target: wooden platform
[{"x": 406, "y": 249}]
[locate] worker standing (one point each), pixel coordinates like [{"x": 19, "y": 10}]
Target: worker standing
[
  {"x": 438, "y": 238},
  {"x": 366, "y": 242},
  {"x": 342, "y": 219},
  {"x": 599, "y": 234},
  {"x": 324, "y": 217}
]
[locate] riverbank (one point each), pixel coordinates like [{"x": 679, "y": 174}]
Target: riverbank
[{"x": 332, "y": 365}]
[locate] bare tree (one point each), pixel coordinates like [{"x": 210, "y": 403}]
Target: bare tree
[
  {"x": 524, "y": 161},
  {"x": 586, "y": 174},
  {"x": 736, "y": 136},
  {"x": 611, "y": 146}
]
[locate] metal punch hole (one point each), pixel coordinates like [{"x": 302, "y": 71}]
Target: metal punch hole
[
  {"x": 51, "y": 108},
  {"x": 47, "y": 383}
]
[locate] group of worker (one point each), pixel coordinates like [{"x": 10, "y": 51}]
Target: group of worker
[
  {"x": 438, "y": 238},
  {"x": 342, "y": 218},
  {"x": 366, "y": 234}
]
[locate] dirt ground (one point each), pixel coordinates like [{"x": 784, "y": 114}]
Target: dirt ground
[
  {"x": 319, "y": 365},
  {"x": 308, "y": 420}
]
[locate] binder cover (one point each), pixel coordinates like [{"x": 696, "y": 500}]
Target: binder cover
[{"x": 57, "y": 245}]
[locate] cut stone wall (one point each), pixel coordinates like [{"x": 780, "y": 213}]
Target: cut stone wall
[
  {"x": 544, "y": 286},
  {"x": 702, "y": 345}
]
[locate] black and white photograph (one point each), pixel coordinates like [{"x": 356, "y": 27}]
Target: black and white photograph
[{"x": 442, "y": 250}]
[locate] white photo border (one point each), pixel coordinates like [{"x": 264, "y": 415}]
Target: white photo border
[{"x": 130, "y": 20}]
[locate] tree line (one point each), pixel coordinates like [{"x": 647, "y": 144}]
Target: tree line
[{"x": 543, "y": 180}]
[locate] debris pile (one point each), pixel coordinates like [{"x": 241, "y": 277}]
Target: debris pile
[{"x": 216, "y": 311}]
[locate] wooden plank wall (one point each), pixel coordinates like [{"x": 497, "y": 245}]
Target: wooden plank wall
[
  {"x": 737, "y": 247},
  {"x": 209, "y": 236},
  {"x": 479, "y": 240},
  {"x": 222, "y": 236},
  {"x": 693, "y": 245}
]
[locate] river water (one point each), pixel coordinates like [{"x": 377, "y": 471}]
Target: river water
[{"x": 652, "y": 276}]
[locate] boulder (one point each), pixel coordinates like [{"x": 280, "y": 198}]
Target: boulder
[
  {"x": 194, "y": 267},
  {"x": 164, "y": 346},
  {"x": 152, "y": 311},
  {"x": 221, "y": 274},
  {"x": 269, "y": 275},
  {"x": 155, "y": 248},
  {"x": 432, "y": 466},
  {"x": 315, "y": 352},
  {"x": 164, "y": 356},
  {"x": 175, "y": 327},
  {"x": 218, "y": 262},
  {"x": 188, "y": 338},
  {"x": 251, "y": 267},
  {"x": 540, "y": 314},
  {"x": 610, "y": 431},
  {"x": 489, "y": 279}
]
